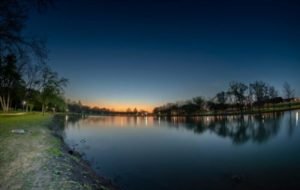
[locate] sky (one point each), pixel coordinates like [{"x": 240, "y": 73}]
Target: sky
[{"x": 120, "y": 54}]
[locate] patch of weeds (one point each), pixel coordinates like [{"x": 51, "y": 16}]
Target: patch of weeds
[
  {"x": 55, "y": 148},
  {"x": 55, "y": 151}
]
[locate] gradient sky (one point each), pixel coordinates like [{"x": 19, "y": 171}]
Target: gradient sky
[{"x": 141, "y": 54}]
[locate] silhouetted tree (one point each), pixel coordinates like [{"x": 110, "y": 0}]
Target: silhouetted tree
[
  {"x": 273, "y": 95},
  {"x": 51, "y": 87},
  {"x": 212, "y": 105},
  {"x": 288, "y": 92},
  {"x": 10, "y": 79},
  {"x": 259, "y": 90},
  {"x": 189, "y": 108},
  {"x": 32, "y": 75},
  {"x": 238, "y": 90},
  {"x": 27, "y": 51},
  {"x": 221, "y": 99},
  {"x": 200, "y": 102},
  {"x": 13, "y": 17}
]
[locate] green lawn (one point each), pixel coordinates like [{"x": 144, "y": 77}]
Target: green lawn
[{"x": 28, "y": 121}]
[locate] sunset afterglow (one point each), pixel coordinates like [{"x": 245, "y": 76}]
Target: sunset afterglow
[{"x": 149, "y": 94}]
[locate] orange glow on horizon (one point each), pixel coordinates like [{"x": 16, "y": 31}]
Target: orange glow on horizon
[{"x": 123, "y": 107}]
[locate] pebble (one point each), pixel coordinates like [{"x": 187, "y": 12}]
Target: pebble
[{"x": 18, "y": 131}]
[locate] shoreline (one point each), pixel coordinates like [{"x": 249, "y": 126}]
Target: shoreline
[
  {"x": 82, "y": 169},
  {"x": 36, "y": 156}
]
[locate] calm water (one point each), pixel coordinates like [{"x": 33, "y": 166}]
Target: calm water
[{"x": 141, "y": 153}]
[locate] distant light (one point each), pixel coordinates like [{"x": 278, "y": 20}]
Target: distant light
[
  {"x": 297, "y": 118},
  {"x": 24, "y": 102}
]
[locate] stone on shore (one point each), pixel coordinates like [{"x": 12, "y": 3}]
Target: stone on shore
[{"x": 18, "y": 131}]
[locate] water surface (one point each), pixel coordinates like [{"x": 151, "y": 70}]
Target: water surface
[{"x": 252, "y": 152}]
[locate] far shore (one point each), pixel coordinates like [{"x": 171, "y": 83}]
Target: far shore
[
  {"x": 255, "y": 111},
  {"x": 234, "y": 113},
  {"x": 204, "y": 113}
]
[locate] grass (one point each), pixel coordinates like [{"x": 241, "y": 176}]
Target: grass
[
  {"x": 23, "y": 153},
  {"x": 55, "y": 149},
  {"x": 30, "y": 120}
]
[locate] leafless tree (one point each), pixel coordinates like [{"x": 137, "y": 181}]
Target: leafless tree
[{"x": 288, "y": 92}]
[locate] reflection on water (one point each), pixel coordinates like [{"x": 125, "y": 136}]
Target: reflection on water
[
  {"x": 239, "y": 129},
  {"x": 154, "y": 152},
  {"x": 256, "y": 128},
  {"x": 297, "y": 118},
  {"x": 109, "y": 121}
]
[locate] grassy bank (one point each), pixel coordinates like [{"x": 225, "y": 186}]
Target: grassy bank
[{"x": 37, "y": 159}]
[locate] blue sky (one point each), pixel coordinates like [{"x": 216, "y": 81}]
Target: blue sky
[{"x": 145, "y": 53}]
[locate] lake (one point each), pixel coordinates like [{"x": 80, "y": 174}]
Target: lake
[{"x": 158, "y": 153}]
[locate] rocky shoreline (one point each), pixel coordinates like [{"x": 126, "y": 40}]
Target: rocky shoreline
[{"x": 79, "y": 170}]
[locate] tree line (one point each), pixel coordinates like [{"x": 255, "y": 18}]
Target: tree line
[
  {"x": 26, "y": 81},
  {"x": 238, "y": 98},
  {"x": 78, "y": 108}
]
